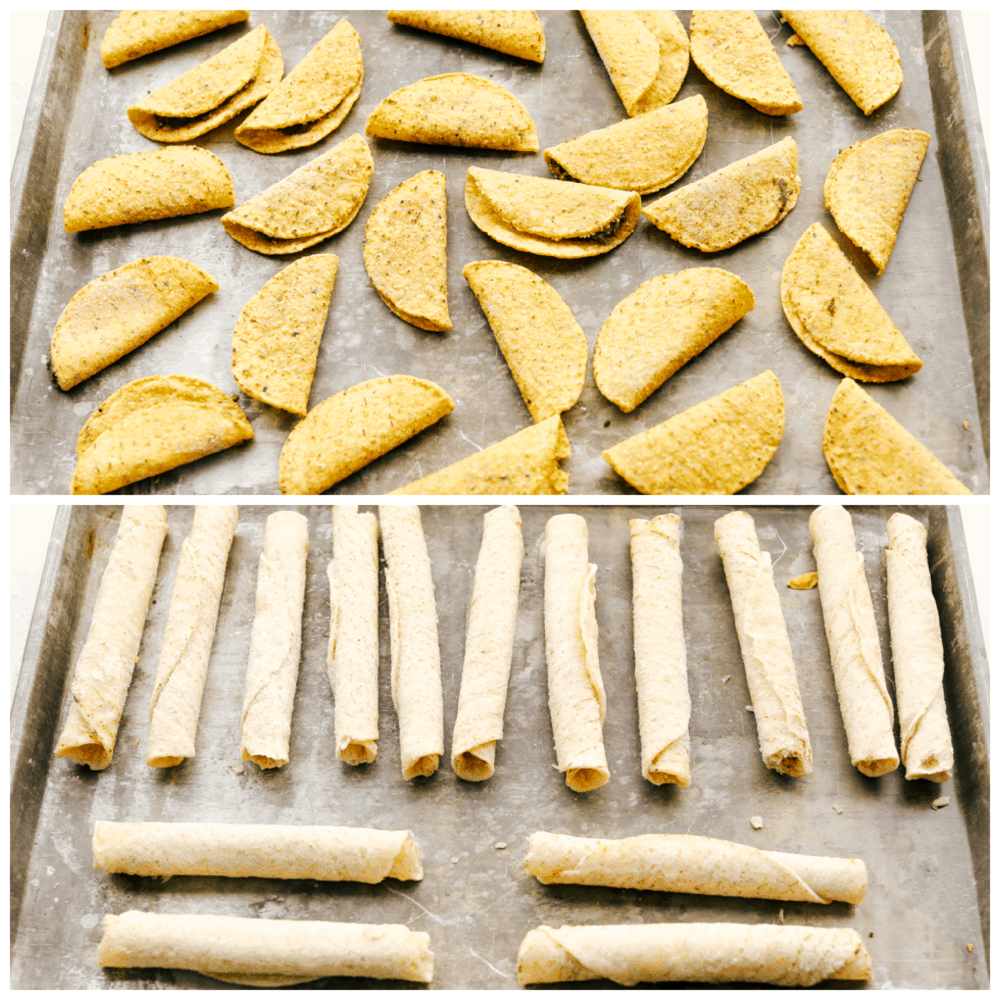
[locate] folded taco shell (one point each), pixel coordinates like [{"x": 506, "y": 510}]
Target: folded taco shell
[
  {"x": 135, "y": 33},
  {"x": 514, "y": 32}
]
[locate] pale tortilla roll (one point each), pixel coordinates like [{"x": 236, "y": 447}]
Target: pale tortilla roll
[
  {"x": 660, "y": 653},
  {"x": 576, "y": 691},
  {"x": 276, "y": 641},
  {"x": 253, "y": 952},
  {"x": 104, "y": 671},
  {"x": 767, "y": 653},
  {"x": 677, "y": 862},
  {"x": 917, "y": 653},
  {"x": 854, "y": 649},
  {"x": 257, "y": 850},
  {"x": 187, "y": 641},
  {"x": 352, "y": 657},
  {"x": 489, "y": 646},
  {"x": 692, "y": 953},
  {"x": 416, "y": 659}
]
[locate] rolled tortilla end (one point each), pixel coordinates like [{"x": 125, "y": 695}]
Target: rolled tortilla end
[
  {"x": 476, "y": 764},
  {"x": 421, "y": 767}
]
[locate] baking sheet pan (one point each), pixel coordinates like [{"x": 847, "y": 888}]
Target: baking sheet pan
[
  {"x": 928, "y": 896},
  {"x": 936, "y": 287}
]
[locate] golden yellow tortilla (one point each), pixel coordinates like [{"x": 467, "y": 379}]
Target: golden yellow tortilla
[
  {"x": 748, "y": 197},
  {"x": 715, "y": 447},
  {"x": 869, "y": 186},
  {"x": 141, "y": 187},
  {"x": 312, "y": 100},
  {"x": 514, "y": 32},
  {"x": 135, "y": 33},
  {"x": 310, "y": 205},
  {"x": 406, "y": 250},
  {"x": 642, "y": 154},
  {"x": 354, "y": 427},
  {"x": 732, "y": 49},
  {"x": 541, "y": 341},
  {"x": 120, "y": 311},
  {"x": 277, "y": 335},
  {"x": 455, "y": 109},
  {"x": 869, "y": 452},
  {"x": 834, "y": 313},
  {"x": 661, "y": 326},
  {"x": 153, "y": 425},
  {"x": 524, "y": 464}
]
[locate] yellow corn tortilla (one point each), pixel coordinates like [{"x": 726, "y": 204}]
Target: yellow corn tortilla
[
  {"x": 541, "y": 341},
  {"x": 524, "y": 464},
  {"x": 210, "y": 94},
  {"x": 141, "y": 187},
  {"x": 354, "y": 427},
  {"x": 406, "y": 250},
  {"x": 836, "y": 315},
  {"x": 135, "y": 33},
  {"x": 153, "y": 425},
  {"x": 732, "y": 49},
  {"x": 308, "y": 206},
  {"x": 645, "y": 52},
  {"x": 641, "y": 154},
  {"x": 120, "y": 311},
  {"x": 718, "y": 446},
  {"x": 455, "y": 109},
  {"x": 312, "y": 100},
  {"x": 859, "y": 53},
  {"x": 869, "y": 452},
  {"x": 514, "y": 32},
  {"x": 869, "y": 185},
  {"x": 748, "y": 197},
  {"x": 661, "y": 326},
  {"x": 547, "y": 217},
  {"x": 277, "y": 335}
]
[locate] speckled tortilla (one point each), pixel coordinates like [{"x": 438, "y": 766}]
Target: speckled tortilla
[
  {"x": 141, "y": 187},
  {"x": 119, "y": 311},
  {"x": 354, "y": 427},
  {"x": 135, "y": 33},
  {"x": 276, "y": 641},
  {"x": 630, "y": 954},
  {"x": 489, "y": 646},
  {"x": 104, "y": 669},
  {"x": 277, "y": 335},
  {"x": 541, "y": 341},
  {"x": 416, "y": 659},
  {"x": 741, "y": 200},
  {"x": 767, "y": 652},
  {"x": 175, "y": 705},
  {"x": 312, "y": 100},
  {"x": 514, "y": 32},
  {"x": 849, "y": 620},
  {"x": 660, "y": 652},
  {"x": 255, "y": 952}
]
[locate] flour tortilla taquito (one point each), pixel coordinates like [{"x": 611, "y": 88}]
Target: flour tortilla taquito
[
  {"x": 576, "y": 690},
  {"x": 513, "y": 32},
  {"x": 677, "y": 862},
  {"x": 352, "y": 655},
  {"x": 416, "y": 659},
  {"x": 104, "y": 670},
  {"x": 254, "y": 952},
  {"x": 135, "y": 33},
  {"x": 276, "y": 641},
  {"x": 696, "y": 953},
  {"x": 175, "y": 706},
  {"x": 660, "y": 653},
  {"x": 257, "y": 850},
  {"x": 917, "y": 654},
  {"x": 767, "y": 653},
  {"x": 855, "y": 655},
  {"x": 489, "y": 646}
]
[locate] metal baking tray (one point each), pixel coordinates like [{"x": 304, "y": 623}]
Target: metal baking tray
[
  {"x": 928, "y": 896},
  {"x": 936, "y": 287}
]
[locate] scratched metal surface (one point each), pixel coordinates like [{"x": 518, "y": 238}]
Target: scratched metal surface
[
  {"x": 83, "y": 120},
  {"x": 475, "y": 900}
]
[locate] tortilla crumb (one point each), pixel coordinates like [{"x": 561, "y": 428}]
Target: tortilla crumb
[
  {"x": 756, "y": 822},
  {"x": 940, "y": 803}
]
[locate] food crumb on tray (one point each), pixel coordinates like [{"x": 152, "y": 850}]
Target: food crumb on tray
[
  {"x": 756, "y": 822},
  {"x": 940, "y": 803}
]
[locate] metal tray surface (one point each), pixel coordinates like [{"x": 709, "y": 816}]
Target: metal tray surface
[
  {"x": 928, "y": 869},
  {"x": 936, "y": 287}
]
